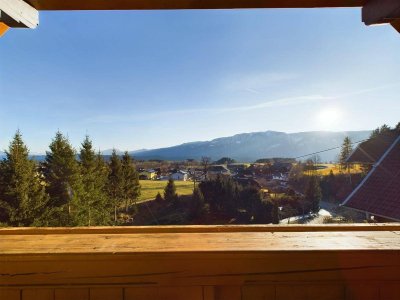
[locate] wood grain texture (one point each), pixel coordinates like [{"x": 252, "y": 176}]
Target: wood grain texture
[
  {"x": 69, "y": 294},
  {"x": 208, "y": 292},
  {"x": 38, "y": 294},
  {"x": 227, "y": 292},
  {"x": 165, "y": 293},
  {"x": 259, "y": 292},
  {"x": 198, "y": 229},
  {"x": 10, "y": 294},
  {"x": 193, "y": 263},
  {"x": 390, "y": 291},
  {"x": 361, "y": 291},
  {"x": 106, "y": 294},
  {"x": 60, "y": 244},
  {"x": 186, "y": 4},
  {"x": 309, "y": 292}
]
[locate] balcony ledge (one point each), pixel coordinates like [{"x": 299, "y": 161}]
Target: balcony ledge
[{"x": 224, "y": 262}]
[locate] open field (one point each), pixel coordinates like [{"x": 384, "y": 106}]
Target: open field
[
  {"x": 150, "y": 188},
  {"x": 326, "y": 169}
]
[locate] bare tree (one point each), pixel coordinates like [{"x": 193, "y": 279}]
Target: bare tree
[{"x": 205, "y": 162}]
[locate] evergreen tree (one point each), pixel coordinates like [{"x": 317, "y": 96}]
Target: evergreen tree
[
  {"x": 115, "y": 184},
  {"x": 345, "y": 152},
  {"x": 170, "y": 194},
  {"x": 328, "y": 186},
  {"x": 275, "y": 214},
  {"x": 131, "y": 184},
  {"x": 374, "y": 133},
  {"x": 93, "y": 208},
  {"x": 397, "y": 128},
  {"x": 230, "y": 195},
  {"x": 103, "y": 215},
  {"x": 64, "y": 185},
  {"x": 313, "y": 193},
  {"x": 251, "y": 201},
  {"x": 159, "y": 198},
  {"x": 23, "y": 200},
  {"x": 197, "y": 203},
  {"x": 384, "y": 129}
]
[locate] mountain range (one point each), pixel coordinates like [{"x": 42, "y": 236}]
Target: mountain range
[{"x": 248, "y": 147}]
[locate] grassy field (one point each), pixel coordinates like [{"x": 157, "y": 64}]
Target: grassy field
[
  {"x": 150, "y": 188},
  {"x": 336, "y": 169}
]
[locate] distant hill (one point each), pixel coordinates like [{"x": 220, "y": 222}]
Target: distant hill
[
  {"x": 37, "y": 157},
  {"x": 248, "y": 147},
  {"x": 109, "y": 152}
]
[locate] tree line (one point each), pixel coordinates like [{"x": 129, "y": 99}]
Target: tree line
[{"x": 68, "y": 188}]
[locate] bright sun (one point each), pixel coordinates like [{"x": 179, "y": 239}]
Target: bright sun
[{"x": 329, "y": 118}]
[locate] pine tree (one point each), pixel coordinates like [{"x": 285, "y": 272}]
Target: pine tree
[
  {"x": 384, "y": 129},
  {"x": 23, "y": 200},
  {"x": 313, "y": 194},
  {"x": 131, "y": 184},
  {"x": 105, "y": 207},
  {"x": 115, "y": 184},
  {"x": 170, "y": 194},
  {"x": 229, "y": 196},
  {"x": 62, "y": 174},
  {"x": 275, "y": 213},
  {"x": 251, "y": 200},
  {"x": 345, "y": 152},
  {"x": 197, "y": 203},
  {"x": 159, "y": 198},
  {"x": 93, "y": 208}
]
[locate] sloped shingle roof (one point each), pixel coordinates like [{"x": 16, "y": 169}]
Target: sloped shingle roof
[
  {"x": 379, "y": 193},
  {"x": 372, "y": 150}
]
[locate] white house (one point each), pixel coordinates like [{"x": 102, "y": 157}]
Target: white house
[{"x": 179, "y": 176}]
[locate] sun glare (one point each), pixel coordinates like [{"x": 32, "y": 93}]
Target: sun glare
[{"x": 329, "y": 118}]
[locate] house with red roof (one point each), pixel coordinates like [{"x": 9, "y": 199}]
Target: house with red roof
[{"x": 378, "y": 195}]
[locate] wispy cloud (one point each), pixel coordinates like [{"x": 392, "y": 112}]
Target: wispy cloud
[
  {"x": 112, "y": 118},
  {"x": 281, "y": 102},
  {"x": 369, "y": 90}
]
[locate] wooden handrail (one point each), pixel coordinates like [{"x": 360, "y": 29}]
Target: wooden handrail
[
  {"x": 340, "y": 262},
  {"x": 198, "y": 229}
]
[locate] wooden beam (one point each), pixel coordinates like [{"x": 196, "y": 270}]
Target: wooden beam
[
  {"x": 380, "y": 11},
  {"x": 111, "y": 244},
  {"x": 199, "y": 229},
  {"x": 197, "y": 259},
  {"x": 186, "y": 4},
  {"x": 17, "y": 13},
  {"x": 3, "y": 28},
  {"x": 396, "y": 25}
]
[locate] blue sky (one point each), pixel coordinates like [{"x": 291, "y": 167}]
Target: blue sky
[{"x": 146, "y": 79}]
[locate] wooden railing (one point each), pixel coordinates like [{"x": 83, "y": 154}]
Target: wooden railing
[{"x": 200, "y": 262}]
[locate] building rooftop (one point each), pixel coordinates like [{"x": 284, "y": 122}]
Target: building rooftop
[
  {"x": 379, "y": 193},
  {"x": 371, "y": 151}
]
